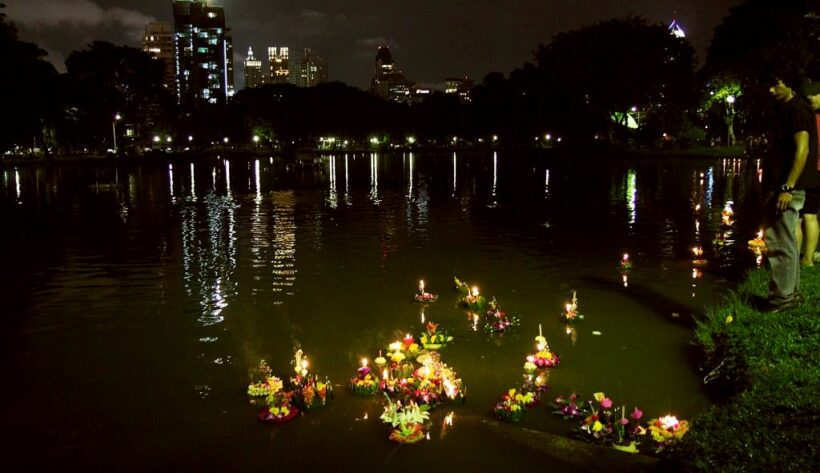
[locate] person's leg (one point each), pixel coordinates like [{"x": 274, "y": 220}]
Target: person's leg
[
  {"x": 783, "y": 255},
  {"x": 798, "y": 232},
  {"x": 811, "y": 233}
]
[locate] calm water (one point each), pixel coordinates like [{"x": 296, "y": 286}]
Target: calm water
[{"x": 137, "y": 297}]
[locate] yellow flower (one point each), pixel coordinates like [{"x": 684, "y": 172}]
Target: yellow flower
[
  {"x": 597, "y": 426},
  {"x": 729, "y": 319},
  {"x": 511, "y": 392},
  {"x": 599, "y": 396}
]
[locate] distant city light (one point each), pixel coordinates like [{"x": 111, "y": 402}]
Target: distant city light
[
  {"x": 190, "y": 138},
  {"x": 225, "y": 140},
  {"x": 156, "y": 138},
  {"x": 547, "y": 137},
  {"x": 730, "y": 99},
  {"x": 411, "y": 139},
  {"x": 255, "y": 139}
]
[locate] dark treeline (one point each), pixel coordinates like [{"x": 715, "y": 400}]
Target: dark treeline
[{"x": 622, "y": 82}]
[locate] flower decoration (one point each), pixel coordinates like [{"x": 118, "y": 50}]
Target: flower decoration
[
  {"x": 568, "y": 407},
  {"x": 308, "y": 390},
  {"x": 279, "y": 411},
  {"x": 423, "y": 296},
  {"x": 571, "y": 313},
  {"x": 512, "y": 405},
  {"x": 542, "y": 358},
  {"x": 407, "y": 421},
  {"x": 365, "y": 382},
  {"x": 498, "y": 321},
  {"x": 667, "y": 430},
  {"x": 434, "y": 338},
  {"x": 461, "y": 286}
]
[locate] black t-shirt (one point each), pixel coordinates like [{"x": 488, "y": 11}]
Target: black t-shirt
[{"x": 795, "y": 116}]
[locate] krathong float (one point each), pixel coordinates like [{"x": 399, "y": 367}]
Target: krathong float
[
  {"x": 571, "y": 313},
  {"x": 434, "y": 338},
  {"x": 758, "y": 243},
  {"x": 543, "y": 357},
  {"x": 309, "y": 392},
  {"x": 267, "y": 390},
  {"x": 625, "y": 266},
  {"x": 474, "y": 300},
  {"x": 513, "y": 404},
  {"x": 667, "y": 430},
  {"x": 366, "y": 382},
  {"x": 462, "y": 287},
  {"x": 498, "y": 321},
  {"x": 567, "y": 406},
  {"x": 431, "y": 383},
  {"x": 422, "y": 296},
  {"x": 601, "y": 422},
  {"x": 699, "y": 259},
  {"x": 407, "y": 420}
]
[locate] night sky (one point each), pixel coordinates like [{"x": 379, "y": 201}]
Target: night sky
[{"x": 430, "y": 40}]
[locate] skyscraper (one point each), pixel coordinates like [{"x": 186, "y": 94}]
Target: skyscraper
[
  {"x": 159, "y": 42},
  {"x": 312, "y": 69},
  {"x": 279, "y": 61},
  {"x": 204, "y": 54},
  {"x": 388, "y": 82},
  {"x": 253, "y": 70},
  {"x": 463, "y": 88}
]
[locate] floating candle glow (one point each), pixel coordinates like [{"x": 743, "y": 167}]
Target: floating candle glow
[
  {"x": 364, "y": 362},
  {"x": 448, "y": 419},
  {"x": 407, "y": 340},
  {"x": 669, "y": 422},
  {"x": 385, "y": 374},
  {"x": 539, "y": 331},
  {"x": 421, "y": 286},
  {"x": 698, "y": 251},
  {"x": 475, "y": 291}
]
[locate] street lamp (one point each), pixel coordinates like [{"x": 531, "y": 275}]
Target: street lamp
[
  {"x": 117, "y": 117},
  {"x": 730, "y": 118}
]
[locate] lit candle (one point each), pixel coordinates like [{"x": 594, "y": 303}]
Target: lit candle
[
  {"x": 539, "y": 331},
  {"x": 475, "y": 291},
  {"x": 421, "y": 286},
  {"x": 408, "y": 340},
  {"x": 385, "y": 374},
  {"x": 364, "y": 362}
]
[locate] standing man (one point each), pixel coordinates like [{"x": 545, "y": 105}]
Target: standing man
[
  {"x": 810, "y": 227},
  {"x": 787, "y": 179}
]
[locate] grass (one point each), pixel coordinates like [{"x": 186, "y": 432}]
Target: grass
[{"x": 766, "y": 372}]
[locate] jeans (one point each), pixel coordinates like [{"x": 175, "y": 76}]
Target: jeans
[{"x": 782, "y": 252}]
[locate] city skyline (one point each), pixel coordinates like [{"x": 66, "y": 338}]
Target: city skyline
[{"x": 432, "y": 41}]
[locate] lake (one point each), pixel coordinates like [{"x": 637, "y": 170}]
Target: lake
[{"x": 138, "y": 295}]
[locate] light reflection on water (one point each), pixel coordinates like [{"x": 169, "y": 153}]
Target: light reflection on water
[{"x": 204, "y": 282}]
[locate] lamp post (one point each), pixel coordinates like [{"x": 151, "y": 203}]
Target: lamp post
[
  {"x": 730, "y": 118},
  {"x": 117, "y": 117}
]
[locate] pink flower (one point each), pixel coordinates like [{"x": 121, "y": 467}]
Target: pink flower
[
  {"x": 606, "y": 403},
  {"x": 623, "y": 421},
  {"x": 636, "y": 414}
]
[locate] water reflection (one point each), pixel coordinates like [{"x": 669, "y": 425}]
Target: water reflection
[
  {"x": 631, "y": 197},
  {"x": 332, "y": 197},
  {"x": 374, "y": 179},
  {"x": 284, "y": 244}
]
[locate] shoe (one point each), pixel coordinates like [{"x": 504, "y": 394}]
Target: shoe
[{"x": 771, "y": 308}]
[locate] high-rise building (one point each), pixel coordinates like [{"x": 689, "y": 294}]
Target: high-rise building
[
  {"x": 388, "y": 82},
  {"x": 463, "y": 88},
  {"x": 279, "y": 61},
  {"x": 312, "y": 69},
  {"x": 203, "y": 55},
  {"x": 253, "y": 70},
  {"x": 159, "y": 42}
]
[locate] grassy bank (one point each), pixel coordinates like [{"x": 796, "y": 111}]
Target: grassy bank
[{"x": 767, "y": 376}]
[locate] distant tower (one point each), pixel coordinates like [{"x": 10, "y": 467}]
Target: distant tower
[
  {"x": 676, "y": 30},
  {"x": 388, "y": 82},
  {"x": 312, "y": 70},
  {"x": 159, "y": 42},
  {"x": 279, "y": 61},
  {"x": 204, "y": 54},
  {"x": 253, "y": 70}
]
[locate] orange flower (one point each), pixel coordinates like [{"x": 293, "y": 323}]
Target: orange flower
[{"x": 431, "y": 328}]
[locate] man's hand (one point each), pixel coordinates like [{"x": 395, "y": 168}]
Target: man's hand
[{"x": 783, "y": 201}]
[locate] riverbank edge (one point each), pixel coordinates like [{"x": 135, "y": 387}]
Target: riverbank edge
[
  {"x": 765, "y": 371},
  {"x": 592, "y": 152}
]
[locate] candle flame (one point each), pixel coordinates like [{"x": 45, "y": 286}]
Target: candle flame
[
  {"x": 421, "y": 285},
  {"x": 669, "y": 422},
  {"x": 475, "y": 291},
  {"x": 626, "y": 257},
  {"x": 364, "y": 362},
  {"x": 385, "y": 374}
]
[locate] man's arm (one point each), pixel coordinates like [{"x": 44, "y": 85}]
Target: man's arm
[{"x": 801, "y": 153}]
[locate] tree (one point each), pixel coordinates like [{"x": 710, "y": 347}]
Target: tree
[
  {"x": 27, "y": 91},
  {"x": 758, "y": 36},
  {"x": 613, "y": 68},
  {"x": 105, "y": 80}
]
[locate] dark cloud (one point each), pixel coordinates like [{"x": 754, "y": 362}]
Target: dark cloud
[{"x": 430, "y": 40}]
